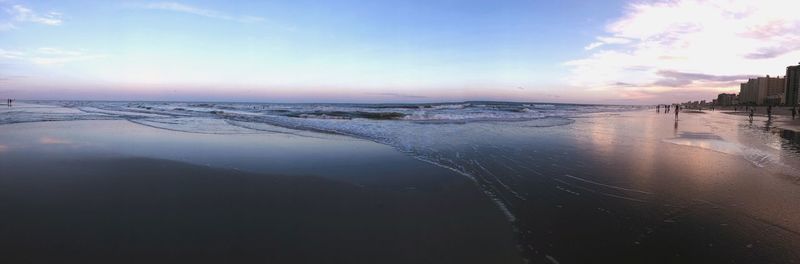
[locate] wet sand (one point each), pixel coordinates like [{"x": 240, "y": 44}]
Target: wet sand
[
  {"x": 630, "y": 187},
  {"x": 640, "y": 187},
  {"x": 68, "y": 196},
  {"x": 781, "y": 117}
]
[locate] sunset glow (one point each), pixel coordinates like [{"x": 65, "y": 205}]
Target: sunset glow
[{"x": 403, "y": 51}]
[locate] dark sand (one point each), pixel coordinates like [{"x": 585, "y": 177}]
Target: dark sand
[{"x": 65, "y": 202}]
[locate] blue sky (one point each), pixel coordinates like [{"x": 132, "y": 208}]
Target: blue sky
[{"x": 360, "y": 51}]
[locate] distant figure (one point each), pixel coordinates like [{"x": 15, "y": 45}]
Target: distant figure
[
  {"x": 794, "y": 112},
  {"x": 677, "y": 109},
  {"x": 751, "y": 114},
  {"x": 658, "y": 108},
  {"x": 769, "y": 112}
]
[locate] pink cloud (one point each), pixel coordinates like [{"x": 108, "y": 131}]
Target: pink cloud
[{"x": 691, "y": 45}]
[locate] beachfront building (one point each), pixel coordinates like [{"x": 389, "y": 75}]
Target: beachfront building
[
  {"x": 762, "y": 90},
  {"x": 748, "y": 93},
  {"x": 725, "y": 99},
  {"x": 775, "y": 99},
  {"x": 792, "y": 82}
]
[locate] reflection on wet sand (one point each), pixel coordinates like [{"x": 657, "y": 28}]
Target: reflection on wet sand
[
  {"x": 49, "y": 140},
  {"x": 693, "y": 168}
]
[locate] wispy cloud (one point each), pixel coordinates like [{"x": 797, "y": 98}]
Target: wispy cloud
[
  {"x": 6, "y": 26},
  {"x": 48, "y": 56},
  {"x": 659, "y": 46},
  {"x": 10, "y": 54},
  {"x": 606, "y": 40},
  {"x": 183, "y": 8},
  {"x": 399, "y": 95},
  {"x": 22, "y": 14},
  {"x": 681, "y": 79}
]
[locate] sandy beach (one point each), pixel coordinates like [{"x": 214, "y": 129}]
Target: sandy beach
[
  {"x": 625, "y": 186},
  {"x": 68, "y": 194}
]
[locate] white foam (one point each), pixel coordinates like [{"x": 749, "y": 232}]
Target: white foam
[{"x": 195, "y": 125}]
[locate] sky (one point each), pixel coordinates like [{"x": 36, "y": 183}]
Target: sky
[{"x": 629, "y": 52}]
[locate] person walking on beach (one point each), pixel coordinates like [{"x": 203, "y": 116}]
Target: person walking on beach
[
  {"x": 751, "y": 114},
  {"x": 658, "y": 108},
  {"x": 769, "y": 112},
  {"x": 677, "y": 109}
]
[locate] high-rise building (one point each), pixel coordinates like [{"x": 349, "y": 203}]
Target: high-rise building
[
  {"x": 792, "y": 84},
  {"x": 762, "y": 90},
  {"x": 724, "y": 99},
  {"x": 748, "y": 92}
]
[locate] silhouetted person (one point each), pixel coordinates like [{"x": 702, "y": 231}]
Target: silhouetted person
[
  {"x": 658, "y": 108},
  {"x": 769, "y": 112},
  {"x": 794, "y": 112},
  {"x": 677, "y": 109},
  {"x": 751, "y": 114}
]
